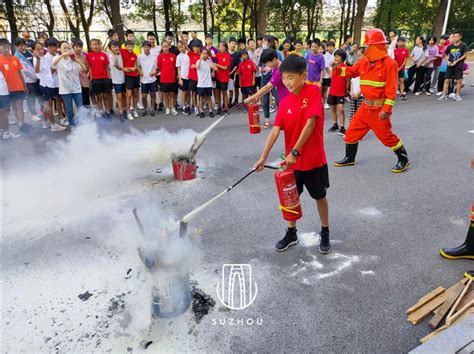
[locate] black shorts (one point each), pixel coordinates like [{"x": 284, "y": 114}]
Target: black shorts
[
  {"x": 204, "y": 91},
  {"x": 327, "y": 82},
  {"x": 248, "y": 90},
  {"x": 316, "y": 181},
  {"x": 223, "y": 86},
  {"x": 453, "y": 72},
  {"x": 132, "y": 82},
  {"x": 335, "y": 100},
  {"x": 149, "y": 88},
  {"x": 49, "y": 93},
  {"x": 258, "y": 81},
  {"x": 401, "y": 74},
  {"x": 100, "y": 86},
  {"x": 193, "y": 85},
  {"x": 168, "y": 87},
  {"x": 237, "y": 82},
  {"x": 185, "y": 85}
]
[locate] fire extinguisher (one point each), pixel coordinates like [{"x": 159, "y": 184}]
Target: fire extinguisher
[
  {"x": 254, "y": 118},
  {"x": 290, "y": 205}
]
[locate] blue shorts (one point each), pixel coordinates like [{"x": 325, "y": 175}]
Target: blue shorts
[
  {"x": 49, "y": 93},
  {"x": 120, "y": 88},
  {"x": 149, "y": 88},
  {"x": 248, "y": 90},
  {"x": 17, "y": 95},
  {"x": 204, "y": 91},
  {"x": 4, "y": 101}
]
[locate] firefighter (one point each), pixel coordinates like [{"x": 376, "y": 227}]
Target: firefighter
[
  {"x": 466, "y": 250},
  {"x": 378, "y": 83}
]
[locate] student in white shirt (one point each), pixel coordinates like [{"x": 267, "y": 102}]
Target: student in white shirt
[
  {"x": 52, "y": 45},
  {"x": 118, "y": 77},
  {"x": 147, "y": 65},
  {"x": 155, "y": 51},
  {"x": 182, "y": 63},
  {"x": 44, "y": 72},
  {"x": 204, "y": 67},
  {"x": 68, "y": 68}
]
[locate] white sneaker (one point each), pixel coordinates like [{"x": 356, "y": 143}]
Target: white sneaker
[
  {"x": 428, "y": 93},
  {"x": 129, "y": 116},
  {"x": 215, "y": 107},
  {"x": 451, "y": 95},
  {"x": 8, "y": 135},
  {"x": 57, "y": 128},
  {"x": 326, "y": 106},
  {"x": 46, "y": 124},
  {"x": 398, "y": 92},
  {"x": 64, "y": 122},
  {"x": 457, "y": 98},
  {"x": 36, "y": 118},
  {"x": 139, "y": 106},
  {"x": 196, "y": 111},
  {"x": 418, "y": 93},
  {"x": 431, "y": 90},
  {"x": 442, "y": 98},
  {"x": 272, "y": 109},
  {"x": 167, "y": 111},
  {"x": 135, "y": 113},
  {"x": 11, "y": 122},
  {"x": 439, "y": 93},
  {"x": 174, "y": 112}
]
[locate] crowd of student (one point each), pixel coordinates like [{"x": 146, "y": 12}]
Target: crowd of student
[{"x": 56, "y": 78}]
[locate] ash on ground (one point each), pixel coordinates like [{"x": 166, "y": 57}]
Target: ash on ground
[{"x": 202, "y": 302}]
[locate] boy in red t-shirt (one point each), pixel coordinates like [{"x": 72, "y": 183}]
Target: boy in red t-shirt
[
  {"x": 401, "y": 55},
  {"x": 222, "y": 77},
  {"x": 301, "y": 116},
  {"x": 101, "y": 86},
  {"x": 194, "y": 56},
  {"x": 246, "y": 71},
  {"x": 132, "y": 79},
  {"x": 166, "y": 64},
  {"x": 337, "y": 93}
]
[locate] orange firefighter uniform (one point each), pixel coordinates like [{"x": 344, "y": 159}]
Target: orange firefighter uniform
[{"x": 378, "y": 83}]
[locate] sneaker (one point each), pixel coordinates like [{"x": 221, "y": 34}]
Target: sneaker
[
  {"x": 215, "y": 107},
  {"x": 174, "y": 112},
  {"x": 144, "y": 113},
  {"x": 8, "y": 135},
  {"x": 57, "y": 128},
  {"x": 428, "y": 93},
  {"x": 451, "y": 95},
  {"x": 211, "y": 114},
  {"x": 403, "y": 97},
  {"x": 439, "y": 93},
  {"x": 272, "y": 109},
  {"x": 107, "y": 116},
  {"x": 196, "y": 111},
  {"x": 324, "y": 244},
  {"x": 97, "y": 114},
  {"x": 334, "y": 128},
  {"x": 152, "y": 113},
  {"x": 25, "y": 128},
  {"x": 289, "y": 240},
  {"x": 260, "y": 109},
  {"x": 64, "y": 121},
  {"x": 442, "y": 98},
  {"x": 417, "y": 93},
  {"x": 130, "y": 116},
  {"x": 46, "y": 124},
  {"x": 457, "y": 98},
  {"x": 201, "y": 115},
  {"x": 326, "y": 106},
  {"x": 219, "y": 111},
  {"x": 123, "y": 117},
  {"x": 167, "y": 111},
  {"x": 161, "y": 107},
  {"x": 36, "y": 118},
  {"x": 139, "y": 106},
  {"x": 111, "y": 112},
  {"x": 135, "y": 113},
  {"x": 342, "y": 131},
  {"x": 11, "y": 122},
  {"x": 431, "y": 90}
]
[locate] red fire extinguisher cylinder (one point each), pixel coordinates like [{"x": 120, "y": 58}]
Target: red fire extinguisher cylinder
[
  {"x": 290, "y": 205},
  {"x": 254, "y": 118}
]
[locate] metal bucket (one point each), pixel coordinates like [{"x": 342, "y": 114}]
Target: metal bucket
[
  {"x": 184, "y": 168},
  {"x": 171, "y": 293}
]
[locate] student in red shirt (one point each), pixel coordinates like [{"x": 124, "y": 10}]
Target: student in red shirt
[
  {"x": 132, "y": 79},
  {"x": 194, "y": 56},
  {"x": 301, "y": 117},
  {"x": 222, "y": 77},
  {"x": 246, "y": 72},
  {"x": 11, "y": 67},
  {"x": 166, "y": 64},
  {"x": 101, "y": 86},
  {"x": 337, "y": 93},
  {"x": 401, "y": 54}
]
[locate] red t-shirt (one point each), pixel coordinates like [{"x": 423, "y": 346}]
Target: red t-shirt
[
  {"x": 166, "y": 63},
  {"x": 11, "y": 69},
  {"x": 99, "y": 63},
  {"x": 129, "y": 61},
  {"x": 338, "y": 84},
  {"x": 193, "y": 58},
  {"x": 293, "y": 112},
  {"x": 246, "y": 69},
  {"x": 437, "y": 62},
  {"x": 223, "y": 59},
  {"x": 400, "y": 55}
]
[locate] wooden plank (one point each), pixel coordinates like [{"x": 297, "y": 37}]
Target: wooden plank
[
  {"x": 467, "y": 298},
  {"x": 444, "y": 309},
  {"x": 424, "y": 311},
  {"x": 428, "y": 297},
  {"x": 455, "y": 306},
  {"x": 469, "y": 311}
]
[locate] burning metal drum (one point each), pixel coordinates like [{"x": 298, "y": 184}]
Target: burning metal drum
[
  {"x": 171, "y": 293},
  {"x": 184, "y": 168}
]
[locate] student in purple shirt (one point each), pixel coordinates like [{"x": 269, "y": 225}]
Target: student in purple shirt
[
  {"x": 315, "y": 62},
  {"x": 210, "y": 47},
  {"x": 269, "y": 58}
]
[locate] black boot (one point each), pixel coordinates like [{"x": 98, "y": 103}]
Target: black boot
[
  {"x": 403, "y": 162},
  {"x": 465, "y": 251},
  {"x": 290, "y": 239},
  {"x": 349, "y": 160}
]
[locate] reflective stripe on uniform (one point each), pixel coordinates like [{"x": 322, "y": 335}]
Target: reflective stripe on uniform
[
  {"x": 398, "y": 146},
  {"x": 372, "y": 83},
  {"x": 389, "y": 102},
  {"x": 343, "y": 71}
]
